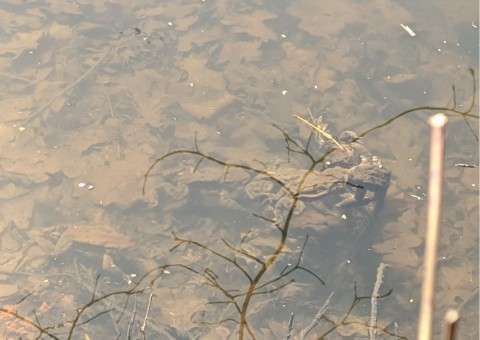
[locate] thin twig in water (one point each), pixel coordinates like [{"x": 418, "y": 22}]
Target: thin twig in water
[
  {"x": 372, "y": 327},
  {"x": 290, "y": 327},
  {"x": 466, "y": 113},
  {"x": 109, "y": 102},
  {"x": 67, "y": 88},
  {"x": 325, "y": 134},
  {"x": 317, "y": 318},
  {"x": 132, "y": 320},
  {"x": 146, "y": 313},
  {"x": 13, "y": 76}
]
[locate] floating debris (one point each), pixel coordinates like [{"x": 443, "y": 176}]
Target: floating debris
[
  {"x": 85, "y": 185},
  {"x": 463, "y": 165},
  {"x": 409, "y": 30}
]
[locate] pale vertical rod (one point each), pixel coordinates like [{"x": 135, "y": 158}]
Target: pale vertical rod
[
  {"x": 435, "y": 179},
  {"x": 451, "y": 322}
]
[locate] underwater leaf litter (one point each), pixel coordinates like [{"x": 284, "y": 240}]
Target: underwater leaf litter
[{"x": 99, "y": 110}]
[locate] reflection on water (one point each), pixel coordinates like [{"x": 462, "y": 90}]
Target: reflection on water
[{"x": 95, "y": 92}]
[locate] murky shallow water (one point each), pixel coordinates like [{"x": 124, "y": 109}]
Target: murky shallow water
[{"x": 94, "y": 93}]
